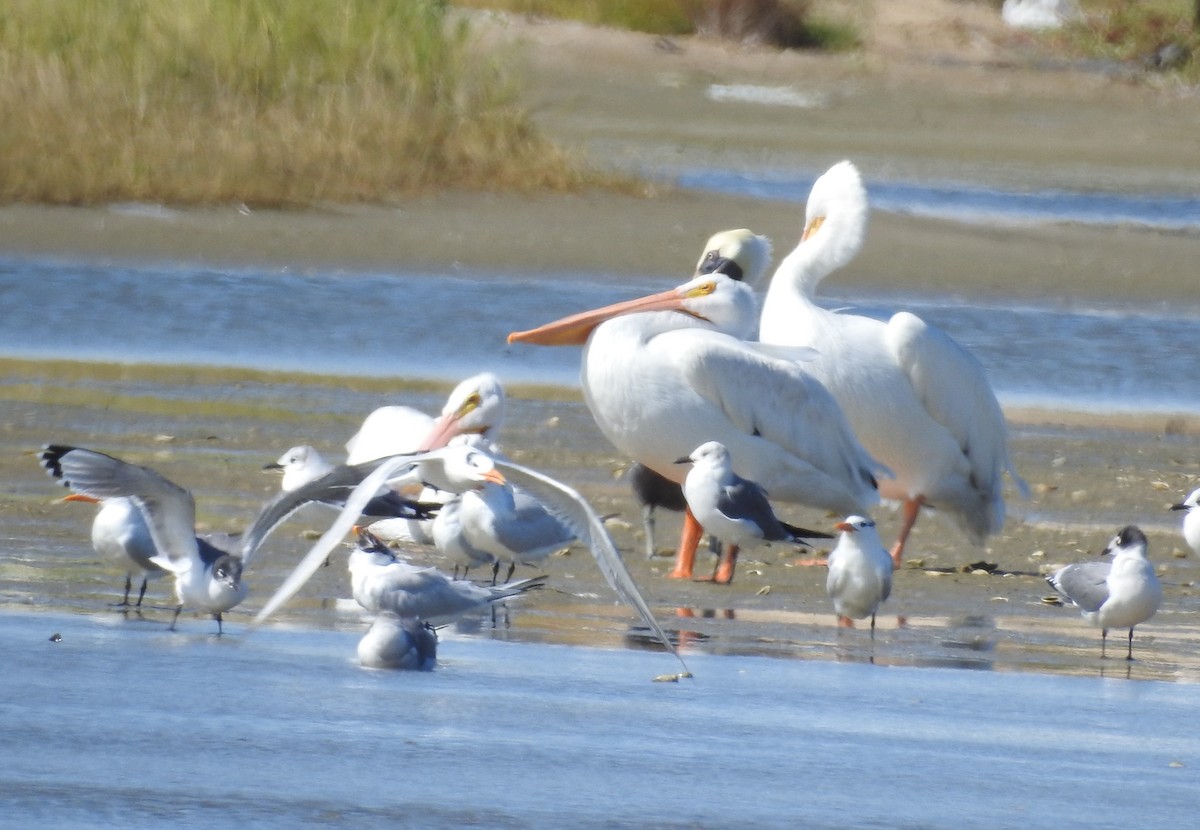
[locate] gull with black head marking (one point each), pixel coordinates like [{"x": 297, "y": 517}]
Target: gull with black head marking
[
  {"x": 1122, "y": 593},
  {"x": 1191, "y": 520},
  {"x": 206, "y": 578},
  {"x": 732, "y": 508}
]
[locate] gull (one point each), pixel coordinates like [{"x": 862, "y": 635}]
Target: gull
[
  {"x": 459, "y": 468},
  {"x": 1117, "y": 594},
  {"x": 398, "y": 643},
  {"x": 860, "y": 572},
  {"x": 732, "y": 508},
  {"x": 917, "y": 400},
  {"x": 1191, "y": 519},
  {"x": 119, "y": 534},
  {"x": 665, "y": 373},
  {"x": 206, "y": 577},
  {"x": 451, "y": 541}
]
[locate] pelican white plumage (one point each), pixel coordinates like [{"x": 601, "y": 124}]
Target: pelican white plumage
[
  {"x": 669, "y": 372},
  {"x": 206, "y": 577},
  {"x": 1122, "y": 593},
  {"x": 459, "y": 468},
  {"x": 474, "y": 406},
  {"x": 860, "y": 572},
  {"x": 1191, "y": 519},
  {"x": 917, "y": 400}
]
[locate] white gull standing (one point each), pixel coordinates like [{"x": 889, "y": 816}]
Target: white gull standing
[
  {"x": 668, "y": 372},
  {"x": 1122, "y": 593},
  {"x": 1191, "y": 519},
  {"x": 120, "y": 535},
  {"x": 917, "y": 400},
  {"x": 732, "y": 508}
]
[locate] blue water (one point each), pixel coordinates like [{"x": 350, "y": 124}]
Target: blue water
[
  {"x": 124, "y": 723},
  {"x": 967, "y": 202},
  {"x": 423, "y": 325}
]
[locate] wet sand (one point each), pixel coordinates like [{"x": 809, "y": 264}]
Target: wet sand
[{"x": 922, "y": 107}]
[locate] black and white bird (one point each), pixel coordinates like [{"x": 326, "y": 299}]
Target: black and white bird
[
  {"x": 860, "y": 572},
  {"x": 1191, "y": 520},
  {"x": 732, "y": 508},
  {"x": 206, "y": 578},
  {"x": 652, "y": 492},
  {"x": 1122, "y": 593}
]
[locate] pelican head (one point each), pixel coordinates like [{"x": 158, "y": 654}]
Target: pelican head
[
  {"x": 728, "y": 305},
  {"x": 476, "y": 406},
  {"x": 835, "y": 222},
  {"x": 738, "y": 254}
]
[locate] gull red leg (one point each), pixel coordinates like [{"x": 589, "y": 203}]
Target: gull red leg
[
  {"x": 689, "y": 540},
  {"x": 723, "y": 575}
]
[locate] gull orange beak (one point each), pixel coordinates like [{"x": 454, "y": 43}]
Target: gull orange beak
[
  {"x": 846, "y": 526},
  {"x": 575, "y": 330},
  {"x": 495, "y": 477}
]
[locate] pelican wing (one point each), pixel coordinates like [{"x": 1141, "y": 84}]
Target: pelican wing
[
  {"x": 777, "y": 400},
  {"x": 579, "y": 516},
  {"x": 951, "y": 384},
  {"x": 388, "y": 431}
]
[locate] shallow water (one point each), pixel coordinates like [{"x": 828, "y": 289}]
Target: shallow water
[
  {"x": 125, "y": 722},
  {"x": 448, "y": 326},
  {"x": 963, "y": 202}
]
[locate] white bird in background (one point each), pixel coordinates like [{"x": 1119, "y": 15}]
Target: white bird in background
[
  {"x": 474, "y": 407},
  {"x": 666, "y": 373},
  {"x": 459, "y": 468},
  {"x": 398, "y": 643},
  {"x": 451, "y": 542},
  {"x": 120, "y": 535},
  {"x": 740, "y": 254},
  {"x": 206, "y": 577},
  {"x": 299, "y": 466},
  {"x": 860, "y": 572},
  {"x": 917, "y": 400},
  {"x": 1119, "y": 594},
  {"x": 732, "y": 508},
  {"x": 1191, "y": 520}
]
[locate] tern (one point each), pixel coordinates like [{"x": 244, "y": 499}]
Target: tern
[
  {"x": 860, "y": 572},
  {"x": 119, "y": 534},
  {"x": 1191, "y": 520},
  {"x": 398, "y": 643}
]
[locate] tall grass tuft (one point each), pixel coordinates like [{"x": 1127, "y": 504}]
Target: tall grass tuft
[{"x": 266, "y": 102}]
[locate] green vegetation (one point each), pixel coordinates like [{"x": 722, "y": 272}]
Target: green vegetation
[
  {"x": 1135, "y": 30},
  {"x": 783, "y": 23},
  {"x": 266, "y": 102}
]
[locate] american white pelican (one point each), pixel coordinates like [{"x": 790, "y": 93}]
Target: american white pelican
[
  {"x": 669, "y": 372},
  {"x": 120, "y": 535},
  {"x": 1117, "y": 594},
  {"x": 732, "y": 508},
  {"x": 860, "y": 572},
  {"x": 739, "y": 254},
  {"x": 475, "y": 406},
  {"x": 206, "y": 577},
  {"x": 917, "y": 400},
  {"x": 460, "y": 468},
  {"x": 1191, "y": 520}
]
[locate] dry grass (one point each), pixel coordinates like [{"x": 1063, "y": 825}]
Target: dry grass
[
  {"x": 1137, "y": 31},
  {"x": 266, "y": 102}
]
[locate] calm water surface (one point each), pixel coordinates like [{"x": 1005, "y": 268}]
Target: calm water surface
[
  {"x": 123, "y": 722},
  {"x": 447, "y": 326}
]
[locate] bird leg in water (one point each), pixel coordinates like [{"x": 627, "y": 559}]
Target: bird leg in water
[
  {"x": 124, "y": 603},
  {"x": 912, "y": 508},
  {"x": 175, "y": 618},
  {"x": 689, "y": 540},
  {"x": 141, "y": 593}
]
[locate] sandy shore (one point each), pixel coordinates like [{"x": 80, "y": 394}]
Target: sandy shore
[{"x": 977, "y": 108}]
